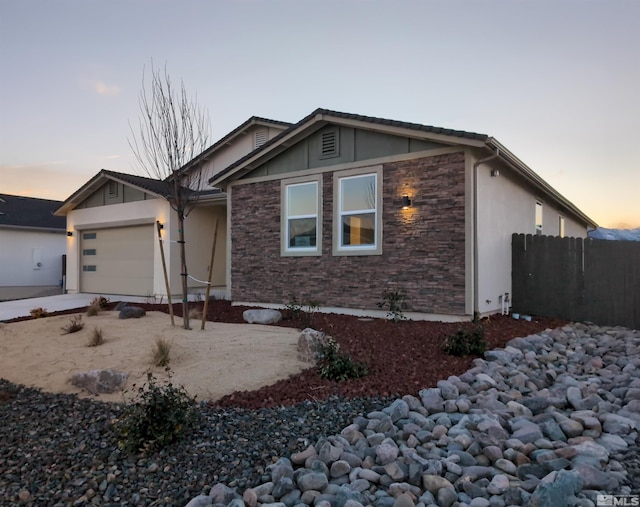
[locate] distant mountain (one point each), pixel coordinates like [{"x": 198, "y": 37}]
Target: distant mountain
[{"x": 616, "y": 234}]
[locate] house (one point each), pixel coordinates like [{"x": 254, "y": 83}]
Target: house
[
  {"x": 340, "y": 208},
  {"x": 32, "y": 245},
  {"x": 337, "y": 208},
  {"x": 113, "y": 246}
]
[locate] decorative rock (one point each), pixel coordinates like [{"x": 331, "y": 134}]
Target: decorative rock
[
  {"x": 131, "y": 312},
  {"x": 100, "y": 381},
  {"x": 200, "y": 501},
  {"x": 314, "y": 480},
  {"x": 261, "y": 316},
  {"x": 310, "y": 345}
]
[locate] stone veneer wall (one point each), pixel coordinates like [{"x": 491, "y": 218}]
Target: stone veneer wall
[{"x": 423, "y": 250}]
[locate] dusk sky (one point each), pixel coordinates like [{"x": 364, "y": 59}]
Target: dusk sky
[{"x": 557, "y": 82}]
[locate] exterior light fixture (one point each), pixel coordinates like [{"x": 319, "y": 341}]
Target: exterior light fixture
[
  {"x": 406, "y": 202},
  {"x": 69, "y": 233},
  {"x": 495, "y": 173},
  {"x": 160, "y": 225}
]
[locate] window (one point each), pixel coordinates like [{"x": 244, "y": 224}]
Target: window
[
  {"x": 89, "y": 235},
  {"x": 91, "y": 267},
  {"x": 89, "y": 251},
  {"x": 538, "y": 217},
  {"x": 561, "y": 226},
  {"x": 301, "y": 222},
  {"x": 357, "y": 213}
]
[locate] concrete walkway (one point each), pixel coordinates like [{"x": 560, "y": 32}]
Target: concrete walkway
[{"x": 22, "y": 307}]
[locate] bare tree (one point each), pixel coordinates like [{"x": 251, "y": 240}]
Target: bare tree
[{"x": 173, "y": 130}]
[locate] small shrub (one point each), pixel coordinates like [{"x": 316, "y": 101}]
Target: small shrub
[
  {"x": 93, "y": 310},
  {"x": 161, "y": 352},
  {"x": 96, "y": 339},
  {"x": 38, "y": 313},
  {"x": 100, "y": 301},
  {"x": 307, "y": 315},
  {"x": 293, "y": 308},
  {"x": 75, "y": 324},
  {"x": 395, "y": 302},
  {"x": 338, "y": 366},
  {"x": 158, "y": 416},
  {"x": 465, "y": 342}
]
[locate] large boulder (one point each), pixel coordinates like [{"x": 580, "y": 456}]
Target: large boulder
[
  {"x": 131, "y": 312},
  {"x": 261, "y": 316},
  {"x": 100, "y": 381},
  {"x": 310, "y": 345}
]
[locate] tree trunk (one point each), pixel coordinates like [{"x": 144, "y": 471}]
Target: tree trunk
[{"x": 183, "y": 272}]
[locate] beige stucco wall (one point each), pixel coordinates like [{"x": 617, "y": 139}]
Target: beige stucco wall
[
  {"x": 506, "y": 205},
  {"x": 18, "y": 261}
]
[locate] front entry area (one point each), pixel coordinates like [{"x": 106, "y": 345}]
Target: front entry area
[{"x": 118, "y": 260}]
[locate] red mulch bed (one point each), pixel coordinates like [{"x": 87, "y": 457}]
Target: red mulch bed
[{"x": 402, "y": 357}]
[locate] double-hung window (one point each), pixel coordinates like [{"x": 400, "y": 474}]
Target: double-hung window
[
  {"x": 357, "y": 212},
  {"x": 301, "y": 217}
]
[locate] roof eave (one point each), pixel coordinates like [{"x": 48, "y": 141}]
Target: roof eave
[
  {"x": 525, "y": 171},
  {"x": 318, "y": 120}
]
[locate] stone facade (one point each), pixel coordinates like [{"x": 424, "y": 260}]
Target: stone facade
[{"x": 423, "y": 248}]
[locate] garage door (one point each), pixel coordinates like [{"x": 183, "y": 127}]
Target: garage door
[{"x": 117, "y": 261}]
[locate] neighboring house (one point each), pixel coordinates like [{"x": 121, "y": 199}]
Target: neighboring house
[
  {"x": 340, "y": 208},
  {"x": 114, "y": 247},
  {"x": 32, "y": 245},
  {"x": 337, "y": 209}
]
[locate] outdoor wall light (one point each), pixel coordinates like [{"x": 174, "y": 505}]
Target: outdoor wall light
[
  {"x": 495, "y": 173},
  {"x": 160, "y": 225},
  {"x": 69, "y": 233},
  {"x": 406, "y": 202}
]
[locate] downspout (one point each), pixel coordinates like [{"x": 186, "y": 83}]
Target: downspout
[{"x": 475, "y": 227}]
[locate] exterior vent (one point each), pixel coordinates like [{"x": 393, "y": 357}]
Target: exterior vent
[
  {"x": 329, "y": 144},
  {"x": 260, "y": 137},
  {"x": 112, "y": 188}
]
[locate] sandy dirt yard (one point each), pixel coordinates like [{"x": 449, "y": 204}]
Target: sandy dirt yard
[{"x": 210, "y": 364}]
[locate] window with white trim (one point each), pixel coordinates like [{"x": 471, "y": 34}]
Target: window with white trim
[
  {"x": 538, "y": 217},
  {"x": 301, "y": 217},
  {"x": 561, "y": 226},
  {"x": 357, "y": 228}
]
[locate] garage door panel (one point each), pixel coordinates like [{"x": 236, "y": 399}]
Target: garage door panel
[{"x": 118, "y": 261}]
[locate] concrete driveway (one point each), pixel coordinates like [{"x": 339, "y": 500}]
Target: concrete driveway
[{"x": 22, "y": 307}]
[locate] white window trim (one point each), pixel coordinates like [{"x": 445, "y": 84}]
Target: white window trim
[
  {"x": 338, "y": 248},
  {"x": 561, "y": 226},
  {"x": 539, "y": 227},
  {"x": 285, "y": 249}
]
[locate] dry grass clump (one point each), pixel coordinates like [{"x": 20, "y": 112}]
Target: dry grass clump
[
  {"x": 195, "y": 314},
  {"x": 38, "y": 313},
  {"x": 75, "y": 324},
  {"x": 98, "y": 303},
  {"x": 96, "y": 339},
  {"x": 161, "y": 352}
]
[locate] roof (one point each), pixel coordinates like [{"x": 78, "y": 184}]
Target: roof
[
  {"x": 30, "y": 212},
  {"x": 210, "y": 151},
  {"x": 159, "y": 188},
  {"x": 320, "y": 117}
]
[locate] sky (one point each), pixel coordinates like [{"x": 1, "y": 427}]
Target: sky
[{"x": 557, "y": 82}]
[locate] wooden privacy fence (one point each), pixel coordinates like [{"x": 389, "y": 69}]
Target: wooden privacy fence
[{"x": 577, "y": 279}]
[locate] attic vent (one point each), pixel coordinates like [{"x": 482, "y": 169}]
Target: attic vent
[
  {"x": 260, "y": 137},
  {"x": 112, "y": 188},
  {"x": 329, "y": 144}
]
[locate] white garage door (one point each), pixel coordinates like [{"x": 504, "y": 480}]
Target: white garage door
[{"x": 117, "y": 261}]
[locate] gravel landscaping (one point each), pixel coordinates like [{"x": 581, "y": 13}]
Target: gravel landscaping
[{"x": 549, "y": 418}]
